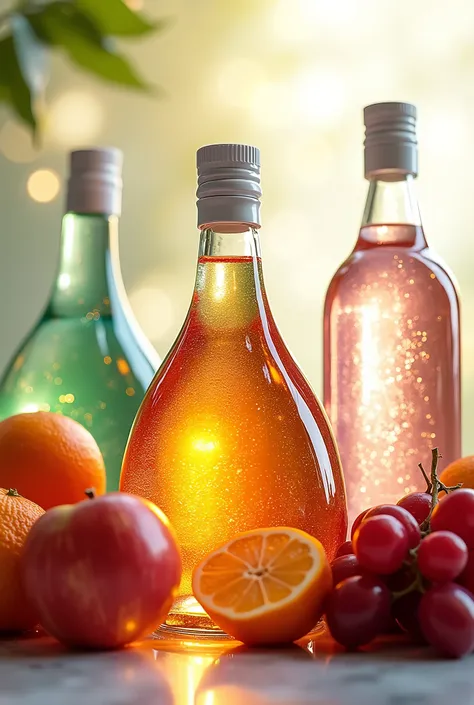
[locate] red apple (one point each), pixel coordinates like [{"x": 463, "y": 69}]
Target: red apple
[{"x": 101, "y": 573}]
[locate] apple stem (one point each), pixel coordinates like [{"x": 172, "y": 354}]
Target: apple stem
[{"x": 90, "y": 493}]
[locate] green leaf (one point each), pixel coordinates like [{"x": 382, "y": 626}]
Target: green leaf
[
  {"x": 105, "y": 63},
  {"x": 56, "y": 22},
  {"x": 115, "y": 18},
  {"x": 61, "y": 24},
  {"x": 22, "y": 70},
  {"x": 13, "y": 88},
  {"x": 31, "y": 53}
]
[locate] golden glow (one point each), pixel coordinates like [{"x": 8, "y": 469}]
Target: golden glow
[
  {"x": 203, "y": 446},
  {"x": 29, "y": 408},
  {"x": 122, "y": 366},
  {"x": 320, "y": 94},
  {"x": 130, "y": 626},
  {"x": 75, "y": 118},
  {"x": 43, "y": 185},
  {"x": 107, "y": 359},
  {"x": 130, "y": 392},
  {"x": 276, "y": 376},
  {"x": 219, "y": 282},
  {"x": 236, "y": 82},
  {"x": 184, "y": 672}
]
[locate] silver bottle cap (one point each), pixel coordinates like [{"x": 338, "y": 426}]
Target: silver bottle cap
[
  {"x": 95, "y": 181},
  {"x": 228, "y": 184},
  {"x": 391, "y": 147}
]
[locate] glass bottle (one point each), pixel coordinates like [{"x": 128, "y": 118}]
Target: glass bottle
[
  {"x": 391, "y": 331},
  {"x": 86, "y": 357},
  {"x": 230, "y": 436}
]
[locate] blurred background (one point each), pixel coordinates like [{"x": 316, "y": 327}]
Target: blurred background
[{"x": 290, "y": 76}]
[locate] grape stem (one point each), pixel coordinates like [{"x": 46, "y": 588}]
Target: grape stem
[
  {"x": 433, "y": 487},
  {"x": 417, "y": 584}
]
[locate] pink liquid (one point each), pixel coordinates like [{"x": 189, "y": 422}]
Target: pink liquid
[{"x": 392, "y": 367}]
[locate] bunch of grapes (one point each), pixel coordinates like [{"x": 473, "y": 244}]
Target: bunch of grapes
[{"x": 410, "y": 567}]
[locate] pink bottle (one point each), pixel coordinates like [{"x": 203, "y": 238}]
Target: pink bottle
[{"x": 391, "y": 331}]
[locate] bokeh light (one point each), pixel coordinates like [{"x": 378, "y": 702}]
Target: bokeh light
[
  {"x": 236, "y": 82},
  {"x": 16, "y": 143},
  {"x": 319, "y": 96},
  {"x": 43, "y": 185},
  {"x": 75, "y": 118}
]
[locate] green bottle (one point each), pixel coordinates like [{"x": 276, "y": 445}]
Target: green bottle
[{"x": 86, "y": 358}]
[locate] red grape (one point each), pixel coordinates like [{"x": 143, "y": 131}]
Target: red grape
[
  {"x": 446, "y": 615},
  {"x": 442, "y": 556},
  {"x": 345, "y": 549},
  {"x": 381, "y": 544},
  {"x": 418, "y": 504},
  {"x": 467, "y": 576},
  {"x": 455, "y": 513},
  {"x": 345, "y": 567},
  {"x": 404, "y": 517},
  {"x": 357, "y": 610},
  {"x": 358, "y": 522},
  {"x": 405, "y": 611}
]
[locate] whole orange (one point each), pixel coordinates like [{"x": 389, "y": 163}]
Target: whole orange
[
  {"x": 49, "y": 458},
  {"x": 461, "y": 470},
  {"x": 17, "y": 516}
]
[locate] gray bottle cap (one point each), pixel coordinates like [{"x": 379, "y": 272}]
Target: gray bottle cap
[
  {"x": 95, "y": 181},
  {"x": 391, "y": 147},
  {"x": 228, "y": 184}
]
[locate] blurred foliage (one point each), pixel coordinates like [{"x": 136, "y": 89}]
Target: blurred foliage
[{"x": 85, "y": 31}]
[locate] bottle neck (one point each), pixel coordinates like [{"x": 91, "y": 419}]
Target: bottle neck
[
  {"x": 89, "y": 267},
  {"x": 229, "y": 282},
  {"x": 391, "y": 214},
  {"x": 229, "y": 240}
]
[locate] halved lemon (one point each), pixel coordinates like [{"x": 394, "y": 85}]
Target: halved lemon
[{"x": 266, "y": 586}]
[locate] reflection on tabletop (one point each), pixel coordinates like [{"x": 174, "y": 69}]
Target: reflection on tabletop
[{"x": 34, "y": 671}]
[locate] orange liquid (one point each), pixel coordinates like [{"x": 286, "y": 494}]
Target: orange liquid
[{"x": 230, "y": 436}]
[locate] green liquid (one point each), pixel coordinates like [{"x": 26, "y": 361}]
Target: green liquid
[{"x": 85, "y": 358}]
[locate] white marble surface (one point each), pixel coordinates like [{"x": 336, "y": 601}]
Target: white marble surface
[{"x": 37, "y": 671}]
